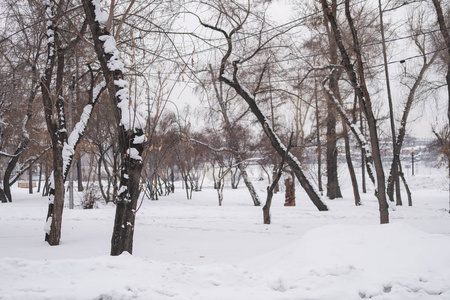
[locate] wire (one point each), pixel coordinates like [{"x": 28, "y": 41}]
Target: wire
[
  {"x": 264, "y": 31},
  {"x": 327, "y": 52},
  {"x": 293, "y": 79}
]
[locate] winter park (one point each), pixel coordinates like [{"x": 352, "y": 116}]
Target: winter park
[{"x": 237, "y": 149}]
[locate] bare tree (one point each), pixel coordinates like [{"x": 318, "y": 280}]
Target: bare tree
[
  {"x": 359, "y": 85},
  {"x": 237, "y": 17},
  {"x": 234, "y": 133}
]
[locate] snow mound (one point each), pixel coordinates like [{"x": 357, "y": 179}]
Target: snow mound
[
  {"x": 394, "y": 261},
  {"x": 339, "y": 262},
  {"x": 124, "y": 277}
]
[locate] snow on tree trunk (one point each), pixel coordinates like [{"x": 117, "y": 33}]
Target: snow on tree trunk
[
  {"x": 249, "y": 185},
  {"x": 130, "y": 127},
  {"x": 351, "y": 170},
  {"x": 55, "y": 128},
  {"x": 358, "y": 134}
]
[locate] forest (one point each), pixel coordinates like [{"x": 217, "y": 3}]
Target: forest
[{"x": 125, "y": 101}]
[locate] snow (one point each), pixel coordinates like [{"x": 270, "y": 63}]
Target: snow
[
  {"x": 78, "y": 131},
  {"x": 48, "y": 225},
  {"x": 139, "y": 139},
  {"x": 101, "y": 13},
  {"x": 194, "y": 249},
  {"x": 134, "y": 154},
  {"x": 109, "y": 46},
  {"x": 50, "y": 32}
]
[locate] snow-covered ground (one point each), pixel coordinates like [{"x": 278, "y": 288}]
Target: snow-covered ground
[{"x": 194, "y": 249}]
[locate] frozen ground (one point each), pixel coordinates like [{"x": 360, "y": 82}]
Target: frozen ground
[{"x": 194, "y": 249}]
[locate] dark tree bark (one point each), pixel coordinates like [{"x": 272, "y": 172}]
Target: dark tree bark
[
  {"x": 131, "y": 133},
  {"x": 79, "y": 174},
  {"x": 40, "y": 178},
  {"x": 30, "y": 179},
  {"x": 271, "y": 188},
  {"x": 333, "y": 189},
  {"x": 351, "y": 170},
  {"x": 289, "y": 194},
  {"x": 319, "y": 145},
  {"x": 56, "y": 128}
]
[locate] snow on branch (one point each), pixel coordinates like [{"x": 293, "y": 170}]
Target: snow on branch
[
  {"x": 354, "y": 128},
  {"x": 8, "y": 155},
  {"x": 26, "y": 165},
  {"x": 223, "y": 149},
  {"x": 78, "y": 131},
  {"x": 101, "y": 14}
]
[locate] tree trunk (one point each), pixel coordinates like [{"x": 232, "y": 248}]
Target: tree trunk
[
  {"x": 130, "y": 131},
  {"x": 57, "y": 130},
  {"x": 408, "y": 192},
  {"x": 3, "y": 196},
  {"x": 220, "y": 192},
  {"x": 249, "y": 185},
  {"x": 99, "y": 176},
  {"x": 351, "y": 170},
  {"x": 363, "y": 157},
  {"x": 270, "y": 189},
  {"x": 40, "y": 178},
  {"x": 45, "y": 190},
  {"x": 289, "y": 192},
  {"x": 79, "y": 174},
  {"x": 319, "y": 146},
  {"x": 276, "y": 189},
  {"x": 56, "y": 199},
  {"x": 446, "y": 34},
  {"x": 333, "y": 189},
  {"x": 30, "y": 180}
]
